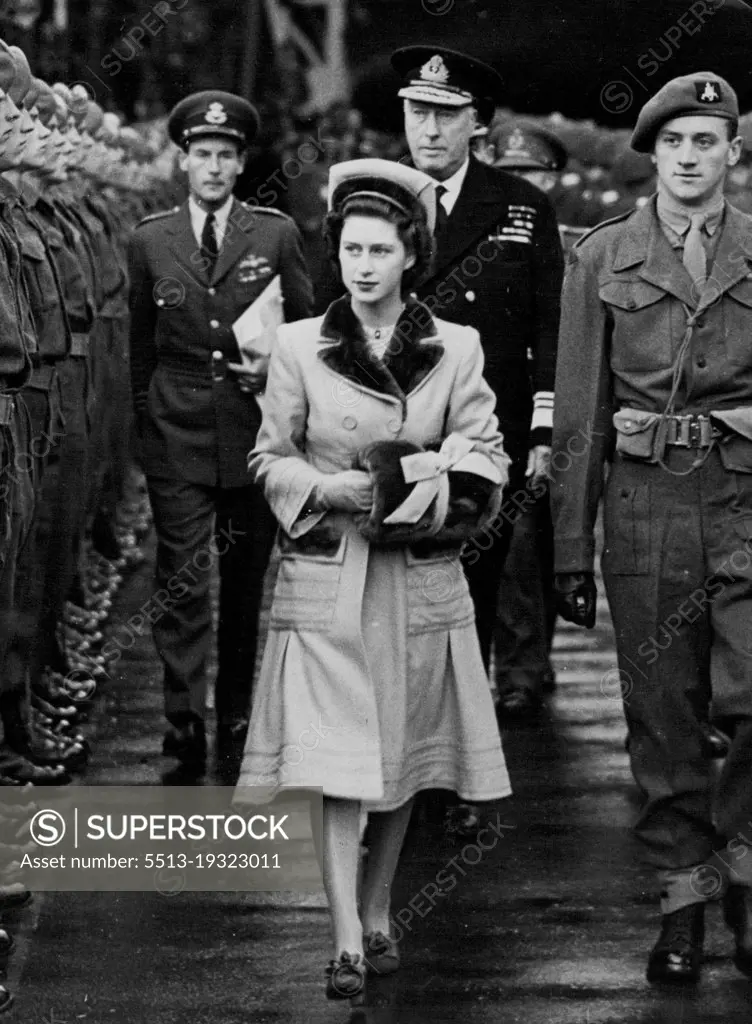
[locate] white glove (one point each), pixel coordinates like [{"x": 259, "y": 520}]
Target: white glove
[{"x": 349, "y": 491}]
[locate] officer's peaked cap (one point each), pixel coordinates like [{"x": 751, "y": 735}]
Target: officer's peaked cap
[
  {"x": 447, "y": 78},
  {"x": 213, "y": 112}
]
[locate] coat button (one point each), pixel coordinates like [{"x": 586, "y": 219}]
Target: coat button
[
  {"x": 631, "y": 303},
  {"x": 701, "y": 362},
  {"x": 216, "y": 354},
  {"x": 214, "y": 323},
  {"x": 212, "y": 291},
  {"x": 349, "y": 423},
  {"x": 395, "y": 426},
  {"x": 160, "y": 302},
  {"x": 470, "y": 296}
]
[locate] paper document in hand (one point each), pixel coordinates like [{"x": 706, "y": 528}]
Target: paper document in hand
[{"x": 256, "y": 328}]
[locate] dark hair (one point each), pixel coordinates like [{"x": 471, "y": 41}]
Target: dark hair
[
  {"x": 733, "y": 128},
  {"x": 412, "y": 230}
]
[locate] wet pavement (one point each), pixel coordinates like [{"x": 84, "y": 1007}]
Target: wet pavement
[{"x": 545, "y": 918}]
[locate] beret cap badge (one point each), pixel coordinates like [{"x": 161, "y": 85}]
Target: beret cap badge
[
  {"x": 435, "y": 70},
  {"x": 708, "y": 92}
]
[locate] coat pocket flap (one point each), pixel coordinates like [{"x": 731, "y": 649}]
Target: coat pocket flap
[
  {"x": 742, "y": 292},
  {"x": 634, "y": 421},
  {"x": 739, "y": 421},
  {"x": 630, "y": 294}
]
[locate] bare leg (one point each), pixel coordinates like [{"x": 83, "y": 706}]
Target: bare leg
[
  {"x": 341, "y": 854},
  {"x": 386, "y": 836}
]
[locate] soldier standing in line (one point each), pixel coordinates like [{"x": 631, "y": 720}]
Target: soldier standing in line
[
  {"x": 498, "y": 269},
  {"x": 655, "y": 376},
  {"x": 193, "y": 271}
]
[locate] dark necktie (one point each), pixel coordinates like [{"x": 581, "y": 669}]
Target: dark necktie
[
  {"x": 209, "y": 243},
  {"x": 441, "y": 215}
]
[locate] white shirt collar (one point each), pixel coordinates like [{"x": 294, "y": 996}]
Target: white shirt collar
[
  {"x": 453, "y": 186},
  {"x": 198, "y": 218}
]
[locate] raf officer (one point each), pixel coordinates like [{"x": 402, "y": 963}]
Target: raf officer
[
  {"x": 194, "y": 270},
  {"x": 655, "y": 377}
]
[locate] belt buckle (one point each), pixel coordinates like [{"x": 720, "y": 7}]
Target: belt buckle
[
  {"x": 695, "y": 433},
  {"x": 6, "y": 410}
]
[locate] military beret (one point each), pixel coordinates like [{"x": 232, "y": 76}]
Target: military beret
[
  {"x": 447, "y": 78},
  {"x": 213, "y": 112},
  {"x": 7, "y": 67},
  {"x": 45, "y": 102},
  {"x": 92, "y": 122},
  {"x": 32, "y": 94},
  {"x": 391, "y": 182},
  {"x": 22, "y": 78},
  {"x": 524, "y": 145},
  {"x": 700, "y": 93}
]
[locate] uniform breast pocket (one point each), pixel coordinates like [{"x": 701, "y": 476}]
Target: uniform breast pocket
[
  {"x": 644, "y": 324},
  {"x": 38, "y": 275},
  {"x": 737, "y": 317}
]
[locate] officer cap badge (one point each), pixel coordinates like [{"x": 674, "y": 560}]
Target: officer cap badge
[
  {"x": 435, "y": 70},
  {"x": 215, "y": 114},
  {"x": 708, "y": 92},
  {"x": 516, "y": 140}
]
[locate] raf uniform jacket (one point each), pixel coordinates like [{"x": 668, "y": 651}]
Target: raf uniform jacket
[
  {"x": 195, "y": 422},
  {"x": 630, "y": 317},
  {"x": 499, "y": 268}
]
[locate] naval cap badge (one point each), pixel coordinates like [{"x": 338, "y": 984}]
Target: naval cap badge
[
  {"x": 435, "y": 70},
  {"x": 516, "y": 140},
  {"x": 216, "y": 114}
]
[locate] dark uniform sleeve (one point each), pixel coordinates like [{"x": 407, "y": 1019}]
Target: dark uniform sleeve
[
  {"x": 549, "y": 271},
  {"x": 143, "y": 322},
  {"x": 582, "y": 416},
  {"x": 296, "y": 282}
]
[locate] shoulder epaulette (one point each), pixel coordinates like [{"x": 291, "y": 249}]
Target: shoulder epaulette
[
  {"x": 603, "y": 224},
  {"x": 266, "y": 209},
  {"x": 158, "y": 216}
]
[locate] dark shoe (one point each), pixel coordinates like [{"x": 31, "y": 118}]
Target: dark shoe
[
  {"x": 737, "y": 912},
  {"x": 717, "y": 743},
  {"x": 188, "y": 744},
  {"x": 346, "y": 977},
  {"x": 677, "y": 955},
  {"x": 462, "y": 820},
  {"x": 381, "y": 953},
  {"x": 6, "y": 999},
  {"x": 517, "y": 703},
  {"x": 6, "y": 943},
  {"x": 14, "y": 895}
]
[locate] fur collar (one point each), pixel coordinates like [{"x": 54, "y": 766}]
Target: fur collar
[{"x": 414, "y": 350}]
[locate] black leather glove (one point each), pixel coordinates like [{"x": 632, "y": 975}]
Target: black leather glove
[{"x": 575, "y": 597}]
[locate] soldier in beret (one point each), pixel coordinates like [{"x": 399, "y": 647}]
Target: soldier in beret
[
  {"x": 498, "y": 268},
  {"x": 193, "y": 271},
  {"x": 655, "y": 377}
]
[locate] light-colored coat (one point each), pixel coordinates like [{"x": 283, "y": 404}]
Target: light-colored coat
[{"x": 407, "y": 705}]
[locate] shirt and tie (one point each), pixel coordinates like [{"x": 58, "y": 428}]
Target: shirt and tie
[
  {"x": 209, "y": 228},
  {"x": 447, "y": 194},
  {"x": 694, "y": 236}
]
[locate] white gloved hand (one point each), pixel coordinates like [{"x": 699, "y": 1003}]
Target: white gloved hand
[{"x": 349, "y": 491}]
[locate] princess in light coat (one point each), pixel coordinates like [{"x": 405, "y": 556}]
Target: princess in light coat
[{"x": 372, "y": 652}]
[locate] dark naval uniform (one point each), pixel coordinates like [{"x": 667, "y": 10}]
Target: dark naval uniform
[
  {"x": 654, "y": 382},
  {"x": 197, "y": 427},
  {"x": 499, "y": 268}
]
